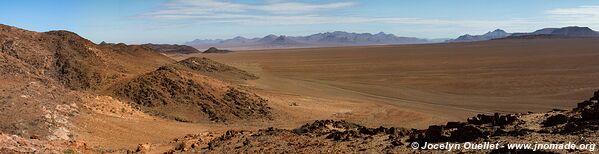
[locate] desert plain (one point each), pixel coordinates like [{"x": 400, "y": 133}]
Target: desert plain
[{"x": 419, "y": 85}]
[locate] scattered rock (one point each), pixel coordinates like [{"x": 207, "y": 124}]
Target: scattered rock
[{"x": 495, "y": 120}]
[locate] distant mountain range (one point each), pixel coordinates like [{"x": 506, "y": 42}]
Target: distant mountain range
[
  {"x": 341, "y": 38},
  {"x": 328, "y": 39},
  {"x": 572, "y": 31}
]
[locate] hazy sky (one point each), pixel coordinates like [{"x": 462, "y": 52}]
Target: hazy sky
[{"x": 178, "y": 21}]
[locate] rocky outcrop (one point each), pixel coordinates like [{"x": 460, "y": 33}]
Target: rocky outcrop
[
  {"x": 215, "y": 50},
  {"x": 556, "y": 120},
  {"x": 172, "y": 48}
]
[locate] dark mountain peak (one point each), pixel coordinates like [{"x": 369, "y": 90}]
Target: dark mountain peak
[
  {"x": 339, "y": 32},
  {"x": 212, "y": 49},
  {"x": 496, "y": 31},
  {"x": 545, "y": 31},
  {"x": 575, "y": 31},
  {"x": 240, "y": 38},
  {"x": 577, "y": 28},
  {"x": 382, "y": 34},
  {"x": 271, "y": 36},
  {"x": 283, "y": 40},
  {"x": 336, "y": 33},
  {"x": 237, "y": 39},
  {"x": 499, "y": 31},
  {"x": 268, "y": 38},
  {"x": 495, "y": 34}
]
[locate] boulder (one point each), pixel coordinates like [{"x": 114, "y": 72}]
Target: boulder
[
  {"x": 437, "y": 133},
  {"x": 556, "y": 120},
  {"x": 495, "y": 120},
  {"x": 468, "y": 133}
]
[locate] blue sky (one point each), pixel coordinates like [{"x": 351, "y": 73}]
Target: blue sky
[{"x": 178, "y": 21}]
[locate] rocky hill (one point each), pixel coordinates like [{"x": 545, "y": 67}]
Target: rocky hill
[
  {"x": 215, "y": 50},
  {"x": 51, "y": 78},
  {"x": 182, "y": 95},
  {"x": 172, "y": 48},
  {"x": 45, "y": 77}
]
